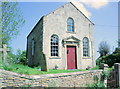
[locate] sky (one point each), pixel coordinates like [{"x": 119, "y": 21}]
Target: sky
[
  {"x": 104, "y": 16},
  {"x": 119, "y": 23}
]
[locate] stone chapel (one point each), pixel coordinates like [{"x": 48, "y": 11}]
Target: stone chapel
[{"x": 62, "y": 39}]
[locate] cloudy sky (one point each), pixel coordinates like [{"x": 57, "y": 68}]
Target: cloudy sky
[
  {"x": 92, "y": 4},
  {"x": 103, "y": 14}
]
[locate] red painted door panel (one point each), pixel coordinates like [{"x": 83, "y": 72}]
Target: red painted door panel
[{"x": 71, "y": 57}]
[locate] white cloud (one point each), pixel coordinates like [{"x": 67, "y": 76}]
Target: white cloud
[
  {"x": 95, "y": 3},
  {"x": 91, "y": 3},
  {"x": 81, "y": 7}
]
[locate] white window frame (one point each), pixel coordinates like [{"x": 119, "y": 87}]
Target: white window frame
[
  {"x": 54, "y": 42},
  {"x": 70, "y": 25},
  {"x": 86, "y": 47}
]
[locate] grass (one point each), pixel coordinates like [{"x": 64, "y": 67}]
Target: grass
[
  {"x": 18, "y": 68},
  {"x": 95, "y": 68}
]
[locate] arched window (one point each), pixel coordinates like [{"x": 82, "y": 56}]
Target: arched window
[
  {"x": 85, "y": 47},
  {"x": 70, "y": 25},
  {"x": 54, "y": 45},
  {"x": 33, "y": 47}
]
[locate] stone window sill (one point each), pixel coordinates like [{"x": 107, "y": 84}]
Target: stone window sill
[
  {"x": 86, "y": 57},
  {"x": 71, "y": 32},
  {"x": 54, "y": 57}
]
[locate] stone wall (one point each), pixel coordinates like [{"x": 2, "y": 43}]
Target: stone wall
[
  {"x": 73, "y": 79},
  {"x": 37, "y": 35},
  {"x": 56, "y": 23}
]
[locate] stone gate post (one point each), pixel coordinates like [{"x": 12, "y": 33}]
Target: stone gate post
[{"x": 117, "y": 74}]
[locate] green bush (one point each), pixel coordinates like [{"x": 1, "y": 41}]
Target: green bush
[
  {"x": 21, "y": 57},
  {"x": 105, "y": 75},
  {"x": 110, "y": 59},
  {"x": 11, "y": 58}
]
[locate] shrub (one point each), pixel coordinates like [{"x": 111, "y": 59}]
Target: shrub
[
  {"x": 105, "y": 75},
  {"x": 21, "y": 57},
  {"x": 11, "y": 57},
  {"x": 110, "y": 59}
]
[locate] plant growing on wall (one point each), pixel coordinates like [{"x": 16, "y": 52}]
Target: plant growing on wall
[{"x": 99, "y": 83}]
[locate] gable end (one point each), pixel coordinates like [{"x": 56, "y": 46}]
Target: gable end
[
  {"x": 41, "y": 19},
  {"x": 81, "y": 13}
]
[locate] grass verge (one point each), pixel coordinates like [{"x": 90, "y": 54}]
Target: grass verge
[{"x": 22, "y": 69}]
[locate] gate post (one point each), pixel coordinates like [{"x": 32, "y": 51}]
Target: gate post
[{"x": 117, "y": 74}]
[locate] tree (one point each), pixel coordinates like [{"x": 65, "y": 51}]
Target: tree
[
  {"x": 104, "y": 48},
  {"x": 12, "y": 21},
  {"x": 21, "y": 57}
]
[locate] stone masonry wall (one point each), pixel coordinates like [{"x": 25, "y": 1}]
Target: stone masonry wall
[
  {"x": 56, "y": 23},
  {"x": 73, "y": 79},
  {"x": 36, "y": 35}
]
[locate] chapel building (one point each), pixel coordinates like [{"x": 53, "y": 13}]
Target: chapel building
[{"x": 62, "y": 39}]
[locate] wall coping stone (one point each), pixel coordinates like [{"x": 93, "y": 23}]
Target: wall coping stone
[
  {"x": 65, "y": 74},
  {"x": 41, "y": 76}
]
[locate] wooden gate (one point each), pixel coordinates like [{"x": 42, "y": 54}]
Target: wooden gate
[{"x": 111, "y": 82}]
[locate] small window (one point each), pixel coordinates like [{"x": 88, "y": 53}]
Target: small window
[
  {"x": 33, "y": 46},
  {"x": 85, "y": 47},
  {"x": 54, "y": 45},
  {"x": 70, "y": 25}
]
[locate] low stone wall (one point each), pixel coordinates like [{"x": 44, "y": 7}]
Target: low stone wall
[{"x": 73, "y": 79}]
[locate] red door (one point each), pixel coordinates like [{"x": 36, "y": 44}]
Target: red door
[{"x": 71, "y": 57}]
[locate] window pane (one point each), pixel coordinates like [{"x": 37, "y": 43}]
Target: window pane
[
  {"x": 85, "y": 46},
  {"x": 54, "y": 45},
  {"x": 70, "y": 25}
]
